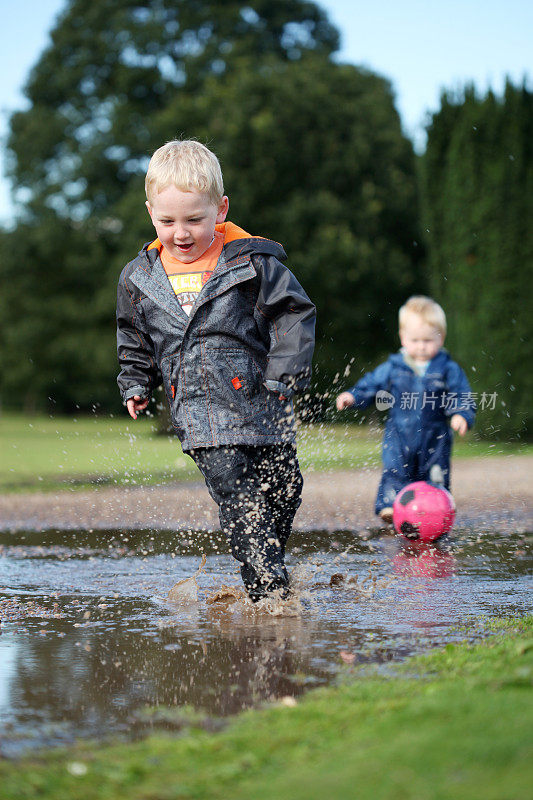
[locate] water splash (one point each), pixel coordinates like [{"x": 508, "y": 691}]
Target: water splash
[{"x": 186, "y": 591}]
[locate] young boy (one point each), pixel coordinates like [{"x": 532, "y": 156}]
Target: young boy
[
  {"x": 424, "y": 390},
  {"x": 213, "y": 314}
]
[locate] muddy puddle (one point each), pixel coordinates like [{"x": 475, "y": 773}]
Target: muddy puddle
[{"x": 90, "y": 647}]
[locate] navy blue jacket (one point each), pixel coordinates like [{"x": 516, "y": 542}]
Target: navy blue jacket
[
  {"x": 417, "y": 435},
  {"x": 443, "y": 379},
  {"x": 251, "y": 327}
]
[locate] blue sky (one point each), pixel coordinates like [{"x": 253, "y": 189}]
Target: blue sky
[{"x": 422, "y": 46}]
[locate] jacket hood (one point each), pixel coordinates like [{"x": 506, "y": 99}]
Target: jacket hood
[{"x": 237, "y": 243}]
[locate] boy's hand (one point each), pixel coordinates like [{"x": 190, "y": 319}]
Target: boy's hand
[
  {"x": 459, "y": 424},
  {"x": 344, "y": 400},
  {"x": 135, "y": 404}
]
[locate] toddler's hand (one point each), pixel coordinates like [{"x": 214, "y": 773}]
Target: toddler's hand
[
  {"x": 459, "y": 424},
  {"x": 344, "y": 400},
  {"x": 135, "y": 404}
]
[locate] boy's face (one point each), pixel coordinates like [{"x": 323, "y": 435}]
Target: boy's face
[
  {"x": 420, "y": 340},
  {"x": 185, "y": 221}
]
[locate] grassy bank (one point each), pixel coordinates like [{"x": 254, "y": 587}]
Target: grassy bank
[
  {"x": 455, "y": 723},
  {"x": 44, "y": 453}
]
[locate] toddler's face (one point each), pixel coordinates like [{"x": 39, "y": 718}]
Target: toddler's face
[
  {"x": 420, "y": 340},
  {"x": 185, "y": 221}
]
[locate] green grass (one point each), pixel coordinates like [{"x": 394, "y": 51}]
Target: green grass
[
  {"x": 455, "y": 723},
  {"x": 43, "y": 453},
  {"x": 50, "y": 453}
]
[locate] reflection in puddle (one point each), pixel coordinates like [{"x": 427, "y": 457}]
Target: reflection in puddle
[{"x": 91, "y": 646}]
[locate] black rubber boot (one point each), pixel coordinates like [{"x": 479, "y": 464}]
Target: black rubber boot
[{"x": 272, "y": 579}]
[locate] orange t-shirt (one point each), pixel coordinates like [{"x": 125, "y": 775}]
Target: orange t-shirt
[{"x": 188, "y": 279}]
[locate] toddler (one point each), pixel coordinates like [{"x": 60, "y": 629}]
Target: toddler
[{"x": 428, "y": 397}]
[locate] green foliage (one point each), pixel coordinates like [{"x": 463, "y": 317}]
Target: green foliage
[
  {"x": 312, "y": 153},
  {"x": 56, "y": 321},
  {"x": 114, "y": 65},
  {"x": 477, "y": 186}
]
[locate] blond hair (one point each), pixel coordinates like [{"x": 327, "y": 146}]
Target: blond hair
[
  {"x": 189, "y": 166},
  {"x": 425, "y": 308}
]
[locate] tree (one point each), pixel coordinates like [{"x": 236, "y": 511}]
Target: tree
[
  {"x": 113, "y": 65},
  {"x": 312, "y": 153},
  {"x": 477, "y": 184},
  {"x": 77, "y": 157},
  {"x": 314, "y": 157}
]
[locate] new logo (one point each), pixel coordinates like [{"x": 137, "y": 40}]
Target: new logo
[{"x": 384, "y": 400}]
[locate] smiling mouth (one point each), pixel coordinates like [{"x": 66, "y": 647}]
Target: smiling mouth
[{"x": 184, "y": 247}]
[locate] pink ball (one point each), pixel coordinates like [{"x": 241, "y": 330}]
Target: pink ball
[{"x": 422, "y": 511}]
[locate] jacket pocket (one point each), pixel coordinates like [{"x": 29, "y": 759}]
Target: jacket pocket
[{"x": 240, "y": 384}]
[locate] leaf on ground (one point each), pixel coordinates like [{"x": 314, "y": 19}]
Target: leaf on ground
[{"x": 348, "y": 658}]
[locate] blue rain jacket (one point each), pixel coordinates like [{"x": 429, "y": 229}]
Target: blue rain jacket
[
  {"x": 417, "y": 434},
  {"x": 250, "y": 333}
]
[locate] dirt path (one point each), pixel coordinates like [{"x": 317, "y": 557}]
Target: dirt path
[{"x": 492, "y": 493}]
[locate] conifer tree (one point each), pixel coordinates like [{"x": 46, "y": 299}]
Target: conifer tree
[{"x": 477, "y": 196}]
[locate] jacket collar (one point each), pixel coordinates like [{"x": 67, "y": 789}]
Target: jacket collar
[
  {"x": 237, "y": 243},
  {"x": 151, "y": 278},
  {"x": 436, "y": 364},
  {"x": 234, "y": 266}
]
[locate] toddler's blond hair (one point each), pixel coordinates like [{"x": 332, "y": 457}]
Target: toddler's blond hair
[
  {"x": 188, "y": 165},
  {"x": 427, "y": 309}
]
